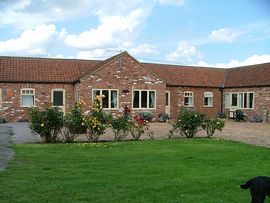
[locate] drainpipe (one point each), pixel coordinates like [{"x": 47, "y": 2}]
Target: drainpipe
[{"x": 222, "y": 99}]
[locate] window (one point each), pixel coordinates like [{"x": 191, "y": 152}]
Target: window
[
  {"x": 1, "y": 97},
  {"x": 27, "y": 97},
  {"x": 77, "y": 94},
  {"x": 241, "y": 100},
  {"x": 110, "y": 99},
  {"x": 58, "y": 98},
  {"x": 144, "y": 99},
  {"x": 188, "y": 98},
  {"x": 208, "y": 99}
]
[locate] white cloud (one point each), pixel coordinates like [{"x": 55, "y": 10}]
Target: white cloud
[
  {"x": 112, "y": 31},
  {"x": 183, "y": 53},
  {"x": 224, "y": 35},
  {"x": 254, "y": 59},
  {"x": 28, "y": 14},
  {"x": 143, "y": 49},
  {"x": 31, "y": 42},
  {"x": 172, "y": 2},
  {"x": 95, "y": 54}
]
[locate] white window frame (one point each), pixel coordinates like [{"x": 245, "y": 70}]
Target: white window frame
[
  {"x": 1, "y": 97},
  {"x": 28, "y": 94},
  {"x": 228, "y": 98},
  {"x": 77, "y": 94},
  {"x": 140, "y": 95},
  {"x": 189, "y": 94},
  {"x": 110, "y": 90},
  {"x": 210, "y": 96}
]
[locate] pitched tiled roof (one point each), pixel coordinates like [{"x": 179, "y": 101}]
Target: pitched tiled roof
[
  {"x": 248, "y": 76},
  {"x": 22, "y": 69},
  {"x": 187, "y": 75}
]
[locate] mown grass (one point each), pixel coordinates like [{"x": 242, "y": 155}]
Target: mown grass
[{"x": 185, "y": 170}]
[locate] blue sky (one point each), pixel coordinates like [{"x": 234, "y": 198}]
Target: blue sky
[{"x": 224, "y": 33}]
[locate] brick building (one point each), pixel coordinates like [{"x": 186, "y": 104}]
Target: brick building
[{"x": 159, "y": 88}]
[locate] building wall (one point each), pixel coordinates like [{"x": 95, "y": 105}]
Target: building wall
[
  {"x": 261, "y": 100},
  {"x": 11, "y": 109},
  {"x": 124, "y": 74},
  {"x": 177, "y": 100}
]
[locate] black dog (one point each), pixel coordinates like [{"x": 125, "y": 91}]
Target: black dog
[{"x": 259, "y": 188}]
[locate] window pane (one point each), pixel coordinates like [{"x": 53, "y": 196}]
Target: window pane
[
  {"x": 240, "y": 100},
  {"x": 58, "y": 98},
  {"x": 227, "y": 100},
  {"x": 251, "y": 100},
  {"x": 152, "y": 99},
  {"x": 105, "y": 100},
  {"x": 234, "y": 99},
  {"x": 135, "y": 99},
  {"x": 167, "y": 99},
  {"x": 113, "y": 99},
  {"x": 206, "y": 101},
  {"x": 143, "y": 99},
  {"x": 27, "y": 100},
  {"x": 186, "y": 101},
  {"x": 245, "y": 100},
  {"x": 95, "y": 93}
]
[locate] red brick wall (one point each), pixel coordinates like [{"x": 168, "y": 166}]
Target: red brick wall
[
  {"x": 177, "y": 100},
  {"x": 11, "y": 108},
  {"x": 261, "y": 100},
  {"x": 124, "y": 74}
]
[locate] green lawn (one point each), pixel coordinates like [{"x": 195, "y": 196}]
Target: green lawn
[{"x": 184, "y": 170}]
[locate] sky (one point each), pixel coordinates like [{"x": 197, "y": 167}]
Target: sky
[{"x": 213, "y": 33}]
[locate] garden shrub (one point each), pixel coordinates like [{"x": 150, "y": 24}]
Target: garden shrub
[
  {"x": 47, "y": 123},
  {"x": 187, "y": 123},
  {"x": 120, "y": 128},
  {"x": 139, "y": 127},
  {"x": 211, "y": 125},
  {"x": 146, "y": 116},
  {"x": 73, "y": 123},
  {"x": 97, "y": 122}
]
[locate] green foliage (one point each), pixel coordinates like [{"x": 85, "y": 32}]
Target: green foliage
[
  {"x": 73, "y": 123},
  {"x": 146, "y": 116},
  {"x": 47, "y": 123},
  {"x": 211, "y": 125},
  {"x": 120, "y": 127},
  {"x": 187, "y": 123}
]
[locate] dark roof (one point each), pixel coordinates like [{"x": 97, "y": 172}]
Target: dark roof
[
  {"x": 176, "y": 75},
  {"x": 23, "y": 69},
  {"x": 248, "y": 76}
]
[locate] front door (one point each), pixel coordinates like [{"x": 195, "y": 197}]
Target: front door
[
  {"x": 168, "y": 102},
  {"x": 58, "y": 99}
]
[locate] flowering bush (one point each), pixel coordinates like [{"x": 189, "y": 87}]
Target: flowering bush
[
  {"x": 73, "y": 123},
  {"x": 138, "y": 127},
  {"x": 96, "y": 122},
  {"x": 187, "y": 123},
  {"x": 120, "y": 128},
  {"x": 47, "y": 123},
  {"x": 212, "y": 125}
]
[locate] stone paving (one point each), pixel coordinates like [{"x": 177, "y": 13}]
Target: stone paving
[{"x": 250, "y": 133}]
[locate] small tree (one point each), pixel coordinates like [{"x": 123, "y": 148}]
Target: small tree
[
  {"x": 211, "y": 125},
  {"x": 187, "y": 123},
  {"x": 47, "y": 123}
]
